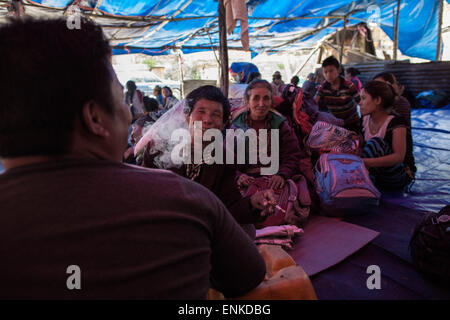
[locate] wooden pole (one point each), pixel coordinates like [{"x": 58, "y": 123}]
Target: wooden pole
[
  {"x": 439, "y": 35},
  {"x": 319, "y": 57},
  {"x": 307, "y": 59},
  {"x": 180, "y": 64},
  {"x": 343, "y": 41},
  {"x": 223, "y": 50},
  {"x": 396, "y": 30}
]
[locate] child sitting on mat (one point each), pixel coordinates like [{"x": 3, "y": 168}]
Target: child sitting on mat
[{"x": 387, "y": 153}]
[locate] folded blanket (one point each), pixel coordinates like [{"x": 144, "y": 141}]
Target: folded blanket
[{"x": 278, "y": 235}]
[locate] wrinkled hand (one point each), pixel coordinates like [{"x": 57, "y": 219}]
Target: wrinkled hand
[
  {"x": 265, "y": 201},
  {"x": 245, "y": 180},
  {"x": 276, "y": 182}
]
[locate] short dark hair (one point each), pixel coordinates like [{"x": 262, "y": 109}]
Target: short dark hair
[
  {"x": 388, "y": 77},
  {"x": 383, "y": 90},
  {"x": 353, "y": 71},
  {"x": 150, "y": 104},
  {"x": 210, "y": 93},
  {"x": 60, "y": 70},
  {"x": 258, "y": 84},
  {"x": 331, "y": 61},
  {"x": 131, "y": 85},
  {"x": 157, "y": 89},
  {"x": 253, "y": 75},
  {"x": 295, "y": 80},
  {"x": 168, "y": 89}
]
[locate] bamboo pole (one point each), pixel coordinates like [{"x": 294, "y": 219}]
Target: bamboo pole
[
  {"x": 396, "y": 30},
  {"x": 223, "y": 50},
  {"x": 155, "y": 18},
  {"x": 181, "y": 70},
  {"x": 176, "y": 47},
  {"x": 319, "y": 57},
  {"x": 439, "y": 35},
  {"x": 343, "y": 41},
  {"x": 307, "y": 59}
]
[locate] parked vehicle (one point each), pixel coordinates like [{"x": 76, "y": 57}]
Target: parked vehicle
[{"x": 146, "y": 81}]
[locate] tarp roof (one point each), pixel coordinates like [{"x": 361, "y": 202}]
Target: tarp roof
[{"x": 158, "y": 27}]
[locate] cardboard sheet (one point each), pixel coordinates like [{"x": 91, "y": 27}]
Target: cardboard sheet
[{"x": 328, "y": 241}]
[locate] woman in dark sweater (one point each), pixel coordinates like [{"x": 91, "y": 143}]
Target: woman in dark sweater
[{"x": 260, "y": 115}]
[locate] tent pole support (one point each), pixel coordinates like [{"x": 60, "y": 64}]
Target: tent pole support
[
  {"x": 319, "y": 57},
  {"x": 180, "y": 64},
  {"x": 223, "y": 52},
  {"x": 396, "y": 30},
  {"x": 439, "y": 35},
  {"x": 307, "y": 59},
  {"x": 343, "y": 41}
]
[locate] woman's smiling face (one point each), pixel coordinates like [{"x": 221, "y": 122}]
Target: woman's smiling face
[{"x": 259, "y": 103}]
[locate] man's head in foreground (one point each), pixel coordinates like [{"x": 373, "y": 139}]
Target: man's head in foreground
[{"x": 74, "y": 106}]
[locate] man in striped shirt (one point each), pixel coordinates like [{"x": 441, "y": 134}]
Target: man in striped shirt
[{"x": 338, "y": 96}]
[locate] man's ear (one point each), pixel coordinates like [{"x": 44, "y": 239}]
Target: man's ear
[{"x": 94, "y": 118}]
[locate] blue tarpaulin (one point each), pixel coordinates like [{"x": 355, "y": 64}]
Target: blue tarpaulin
[{"x": 157, "y": 27}]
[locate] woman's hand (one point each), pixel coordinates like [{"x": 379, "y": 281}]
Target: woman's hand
[
  {"x": 265, "y": 201},
  {"x": 245, "y": 180},
  {"x": 276, "y": 182}
]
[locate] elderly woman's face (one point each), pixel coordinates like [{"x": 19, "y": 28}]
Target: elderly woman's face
[{"x": 259, "y": 102}]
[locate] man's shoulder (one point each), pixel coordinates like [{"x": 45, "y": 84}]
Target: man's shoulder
[{"x": 152, "y": 175}]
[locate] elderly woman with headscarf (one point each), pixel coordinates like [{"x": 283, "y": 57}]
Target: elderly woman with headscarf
[{"x": 261, "y": 115}]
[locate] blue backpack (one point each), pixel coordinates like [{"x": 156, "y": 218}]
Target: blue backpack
[{"x": 343, "y": 185}]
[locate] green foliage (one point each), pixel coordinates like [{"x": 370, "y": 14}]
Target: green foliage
[{"x": 150, "y": 62}]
